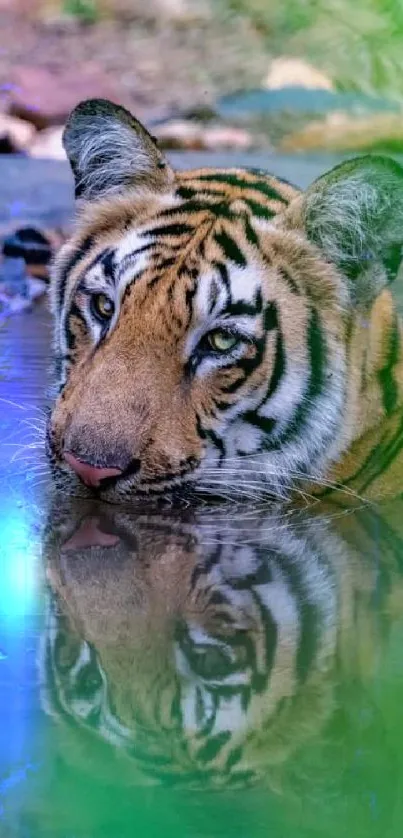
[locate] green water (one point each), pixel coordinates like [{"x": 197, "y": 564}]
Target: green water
[{"x": 223, "y": 673}]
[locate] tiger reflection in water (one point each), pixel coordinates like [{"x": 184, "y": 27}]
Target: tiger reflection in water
[{"x": 207, "y": 649}]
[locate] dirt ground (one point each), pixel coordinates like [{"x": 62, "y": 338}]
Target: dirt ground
[
  {"x": 159, "y": 64},
  {"x": 169, "y": 61}
]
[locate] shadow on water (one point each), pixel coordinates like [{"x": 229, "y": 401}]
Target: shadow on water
[{"x": 219, "y": 672}]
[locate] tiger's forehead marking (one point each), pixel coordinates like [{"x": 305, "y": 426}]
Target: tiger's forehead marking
[
  {"x": 214, "y": 293},
  {"x": 114, "y": 266},
  {"x": 132, "y": 256},
  {"x": 123, "y": 260}
]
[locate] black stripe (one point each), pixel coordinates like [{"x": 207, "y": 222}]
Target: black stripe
[
  {"x": 240, "y": 308},
  {"x": 317, "y": 361},
  {"x": 309, "y": 633},
  {"x": 284, "y": 274},
  {"x": 184, "y": 269},
  {"x": 97, "y": 259},
  {"x": 392, "y": 261},
  {"x": 248, "y": 365},
  {"x": 218, "y": 207},
  {"x": 223, "y": 209},
  {"x": 221, "y": 405},
  {"x": 365, "y": 467},
  {"x": 170, "y": 475},
  {"x": 279, "y": 367},
  {"x": 108, "y": 263},
  {"x": 259, "y": 210},
  {"x": 270, "y": 320},
  {"x": 384, "y": 458},
  {"x": 217, "y": 597},
  {"x": 377, "y": 460},
  {"x": 230, "y": 248},
  {"x": 385, "y": 539},
  {"x": 170, "y": 230},
  {"x": 309, "y": 617},
  {"x": 263, "y": 575},
  {"x": 71, "y": 263},
  {"x": 202, "y": 434},
  {"x": 154, "y": 280},
  {"x": 270, "y": 323},
  {"x": 189, "y": 298},
  {"x": 165, "y": 263},
  {"x": 386, "y": 374},
  {"x": 259, "y": 680},
  {"x": 106, "y": 260},
  {"x": 69, "y": 336},
  {"x": 130, "y": 258},
  {"x": 204, "y": 567},
  {"x": 218, "y": 444},
  {"x": 250, "y": 233},
  {"x": 185, "y": 192},
  {"x": 234, "y": 757},
  {"x": 262, "y": 186},
  {"x": 263, "y": 423},
  {"x": 213, "y": 296},
  {"x": 224, "y": 275}
]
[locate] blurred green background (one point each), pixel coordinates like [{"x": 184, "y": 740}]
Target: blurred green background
[
  {"x": 357, "y": 43},
  {"x": 176, "y": 60}
]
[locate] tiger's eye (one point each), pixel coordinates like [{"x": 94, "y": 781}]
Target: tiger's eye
[
  {"x": 102, "y": 307},
  {"x": 222, "y": 341}
]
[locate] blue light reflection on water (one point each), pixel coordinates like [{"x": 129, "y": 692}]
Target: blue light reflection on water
[
  {"x": 24, "y": 743},
  {"x": 21, "y": 731},
  {"x": 18, "y": 558}
]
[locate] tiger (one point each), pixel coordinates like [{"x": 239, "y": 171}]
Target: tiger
[
  {"x": 219, "y": 332},
  {"x": 211, "y": 651}
]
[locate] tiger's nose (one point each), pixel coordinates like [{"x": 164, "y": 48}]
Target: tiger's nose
[{"x": 90, "y": 475}]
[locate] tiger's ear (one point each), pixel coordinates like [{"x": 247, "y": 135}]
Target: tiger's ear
[
  {"x": 355, "y": 215},
  {"x": 110, "y": 151}
]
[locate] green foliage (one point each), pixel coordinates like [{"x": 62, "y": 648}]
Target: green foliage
[
  {"x": 85, "y": 10},
  {"x": 358, "y": 44}
]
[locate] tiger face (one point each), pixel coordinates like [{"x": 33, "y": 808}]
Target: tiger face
[{"x": 209, "y": 325}]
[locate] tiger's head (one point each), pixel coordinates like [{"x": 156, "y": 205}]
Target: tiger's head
[{"x": 209, "y": 325}]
